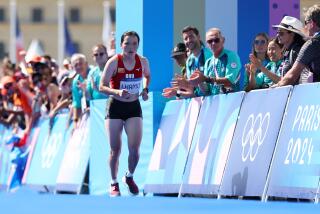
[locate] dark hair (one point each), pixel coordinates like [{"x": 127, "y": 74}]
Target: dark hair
[
  {"x": 190, "y": 28},
  {"x": 298, "y": 39},
  {"x": 100, "y": 46},
  {"x": 313, "y": 13},
  {"x": 129, "y": 33},
  {"x": 264, "y": 35}
]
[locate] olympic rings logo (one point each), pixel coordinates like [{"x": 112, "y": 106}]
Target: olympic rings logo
[
  {"x": 50, "y": 149},
  {"x": 254, "y": 133}
]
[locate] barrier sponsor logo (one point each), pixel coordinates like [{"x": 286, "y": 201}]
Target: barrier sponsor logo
[
  {"x": 254, "y": 133},
  {"x": 305, "y": 126},
  {"x": 50, "y": 149}
]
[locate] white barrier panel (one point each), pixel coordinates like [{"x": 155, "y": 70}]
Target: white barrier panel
[
  {"x": 211, "y": 143},
  {"x": 253, "y": 142},
  {"x": 76, "y": 158},
  {"x": 295, "y": 171},
  {"x": 172, "y": 146}
]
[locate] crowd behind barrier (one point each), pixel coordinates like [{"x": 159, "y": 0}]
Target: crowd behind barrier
[{"x": 262, "y": 143}]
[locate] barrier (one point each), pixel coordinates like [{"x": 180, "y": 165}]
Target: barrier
[
  {"x": 172, "y": 146},
  {"x": 253, "y": 142},
  {"x": 193, "y": 142},
  {"x": 295, "y": 169},
  {"x": 211, "y": 143},
  {"x": 48, "y": 154},
  {"x": 76, "y": 158},
  {"x": 5, "y": 161}
]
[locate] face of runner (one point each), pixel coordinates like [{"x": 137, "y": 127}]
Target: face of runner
[{"x": 130, "y": 45}]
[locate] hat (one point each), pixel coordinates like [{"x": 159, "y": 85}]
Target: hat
[
  {"x": 5, "y": 80},
  {"x": 179, "y": 49},
  {"x": 35, "y": 59},
  {"x": 292, "y": 24}
]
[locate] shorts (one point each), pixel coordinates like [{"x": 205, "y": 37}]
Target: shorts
[{"x": 122, "y": 110}]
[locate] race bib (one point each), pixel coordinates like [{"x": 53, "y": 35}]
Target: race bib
[{"x": 133, "y": 86}]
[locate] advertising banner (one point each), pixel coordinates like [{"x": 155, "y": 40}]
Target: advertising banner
[
  {"x": 211, "y": 143},
  {"x": 295, "y": 169},
  {"x": 172, "y": 146},
  {"x": 48, "y": 153},
  {"x": 254, "y": 141},
  {"x": 76, "y": 158}
]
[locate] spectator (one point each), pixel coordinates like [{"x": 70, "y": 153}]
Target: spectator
[
  {"x": 259, "y": 51},
  {"x": 195, "y": 62},
  {"x": 222, "y": 70},
  {"x": 179, "y": 54},
  {"x": 270, "y": 73},
  {"x": 100, "y": 57},
  {"x": 309, "y": 55},
  {"x": 290, "y": 34},
  {"x": 80, "y": 102}
]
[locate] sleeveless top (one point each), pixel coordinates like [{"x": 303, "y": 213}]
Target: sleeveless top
[{"x": 131, "y": 80}]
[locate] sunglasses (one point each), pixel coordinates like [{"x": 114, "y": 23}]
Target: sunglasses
[
  {"x": 98, "y": 54},
  {"x": 215, "y": 40},
  {"x": 281, "y": 33},
  {"x": 260, "y": 42},
  {"x": 8, "y": 86},
  {"x": 307, "y": 21}
]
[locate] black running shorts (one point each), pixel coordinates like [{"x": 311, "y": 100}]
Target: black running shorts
[{"x": 122, "y": 110}]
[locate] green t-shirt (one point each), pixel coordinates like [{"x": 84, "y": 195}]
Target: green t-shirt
[
  {"x": 227, "y": 65},
  {"x": 262, "y": 80},
  {"x": 95, "y": 73}
]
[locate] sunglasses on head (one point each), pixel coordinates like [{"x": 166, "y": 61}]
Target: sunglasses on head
[
  {"x": 260, "y": 42},
  {"x": 215, "y": 40},
  {"x": 98, "y": 54},
  {"x": 8, "y": 85}
]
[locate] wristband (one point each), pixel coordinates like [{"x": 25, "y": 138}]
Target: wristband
[
  {"x": 210, "y": 79},
  {"x": 178, "y": 94}
]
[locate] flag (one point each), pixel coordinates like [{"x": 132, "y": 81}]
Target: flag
[
  {"x": 106, "y": 28},
  {"x": 19, "y": 40},
  {"x": 16, "y": 43},
  {"x": 65, "y": 45},
  {"x": 69, "y": 47}
]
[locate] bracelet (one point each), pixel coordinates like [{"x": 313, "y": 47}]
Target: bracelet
[
  {"x": 178, "y": 95},
  {"x": 210, "y": 79}
]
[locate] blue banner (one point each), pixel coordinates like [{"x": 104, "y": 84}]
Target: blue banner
[
  {"x": 5, "y": 161},
  {"x": 211, "y": 143},
  {"x": 48, "y": 153},
  {"x": 172, "y": 146},
  {"x": 76, "y": 158},
  {"x": 253, "y": 142},
  {"x": 296, "y": 167}
]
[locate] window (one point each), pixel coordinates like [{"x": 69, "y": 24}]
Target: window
[
  {"x": 113, "y": 14},
  {"x": 2, "y": 14},
  {"x": 2, "y": 50},
  {"x": 37, "y": 15},
  {"x": 74, "y": 15}
]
